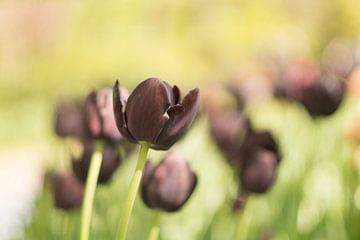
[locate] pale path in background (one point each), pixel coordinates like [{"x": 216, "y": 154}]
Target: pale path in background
[{"x": 20, "y": 181}]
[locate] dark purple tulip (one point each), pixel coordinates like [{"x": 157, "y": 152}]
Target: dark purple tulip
[
  {"x": 168, "y": 185},
  {"x": 68, "y": 191},
  {"x": 111, "y": 161},
  {"x": 320, "y": 94},
  {"x": 154, "y": 113},
  {"x": 323, "y": 97},
  {"x": 298, "y": 75},
  {"x": 99, "y": 112},
  {"x": 258, "y": 171},
  {"x": 229, "y": 130},
  {"x": 261, "y": 140},
  {"x": 69, "y": 120}
]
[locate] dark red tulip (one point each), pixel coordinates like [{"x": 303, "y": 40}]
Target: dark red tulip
[
  {"x": 261, "y": 140},
  {"x": 168, "y": 185},
  {"x": 154, "y": 113},
  {"x": 320, "y": 93},
  {"x": 68, "y": 191},
  {"x": 111, "y": 161},
  {"x": 258, "y": 171},
  {"x": 323, "y": 97},
  {"x": 99, "y": 112},
  {"x": 229, "y": 129},
  {"x": 297, "y": 76},
  {"x": 69, "y": 120}
]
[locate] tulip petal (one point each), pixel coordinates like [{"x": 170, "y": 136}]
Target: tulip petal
[
  {"x": 181, "y": 117},
  {"x": 119, "y": 102},
  {"x": 146, "y": 109},
  {"x": 92, "y": 114},
  {"x": 259, "y": 171},
  {"x": 173, "y": 93},
  {"x": 106, "y": 111},
  {"x": 175, "y": 182},
  {"x": 177, "y": 94},
  {"x": 69, "y": 120},
  {"x": 68, "y": 192},
  {"x": 148, "y": 173},
  {"x": 262, "y": 140}
]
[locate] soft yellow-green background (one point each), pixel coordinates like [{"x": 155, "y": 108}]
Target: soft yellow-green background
[{"x": 54, "y": 49}]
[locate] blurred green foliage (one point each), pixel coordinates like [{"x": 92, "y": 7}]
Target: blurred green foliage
[{"x": 313, "y": 197}]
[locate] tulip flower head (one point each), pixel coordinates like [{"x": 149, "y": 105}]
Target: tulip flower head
[
  {"x": 168, "y": 185},
  {"x": 229, "y": 130},
  {"x": 321, "y": 93},
  {"x": 69, "y": 120},
  {"x": 68, "y": 191},
  {"x": 261, "y": 140},
  {"x": 99, "y": 115},
  {"x": 154, "y": 113},
  {"x": 324, "y": 97},
  {"x": 111, "y": 161},
  {"x": 258, "y": 171}
]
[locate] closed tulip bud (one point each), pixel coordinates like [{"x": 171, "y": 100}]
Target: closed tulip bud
[
  {"x": 68, "y": 191},
  {"x": 229, "y": 130},
  {"x": 69, "y": 120},
  {"x": 99, "y": 114},
  {"x": 111, "y": 161},
  {"x": 324, "y": 97},
  {"x": 298, "y": 75},
  {"x": 258, "y": 171},
  {"x": 154, "y": 113},
  {"x": 261, "y": 140},
  {"x": 168, "y": 185}
]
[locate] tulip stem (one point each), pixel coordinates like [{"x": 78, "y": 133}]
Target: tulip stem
[
  {"x": 91, "y": 181},
  {"x": 242, "y": 228},
  {"x": 132, "y": 192},
  {"x": 155, "y": 229}
]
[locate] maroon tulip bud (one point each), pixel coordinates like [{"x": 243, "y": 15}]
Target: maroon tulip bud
[
  {"x": 258, "y": 171},
  {"x": 68, "y": 191},
  {"x": 298, "y": 75},
  {"x": 229, "y": 130},
  {"x": 69, "y": 120},
  {"x": 324, "y": 97},
  {"x": 261, "y": 140},
  {"x": 111, "y": 161},
  {"x": 154, "y": 113},
  {"x": 168, "y": 185},
  {"x": 99, "y": 112}
]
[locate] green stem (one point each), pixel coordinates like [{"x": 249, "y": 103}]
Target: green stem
[
  {"x": 242, "y": 228},
  {"x": 91, "y": 181},
  {"x": 65, "y": 225},
  {"x": 133, "y": 189},
  {"x": 155, "y": 229}
]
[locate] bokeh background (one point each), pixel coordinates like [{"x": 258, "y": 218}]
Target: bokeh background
[{"x": 56, "y": 50}]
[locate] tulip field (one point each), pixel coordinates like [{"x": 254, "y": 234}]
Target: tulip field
[
  {"x": 180, "y": 120},
  {"x": 308, "y": 199}
]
